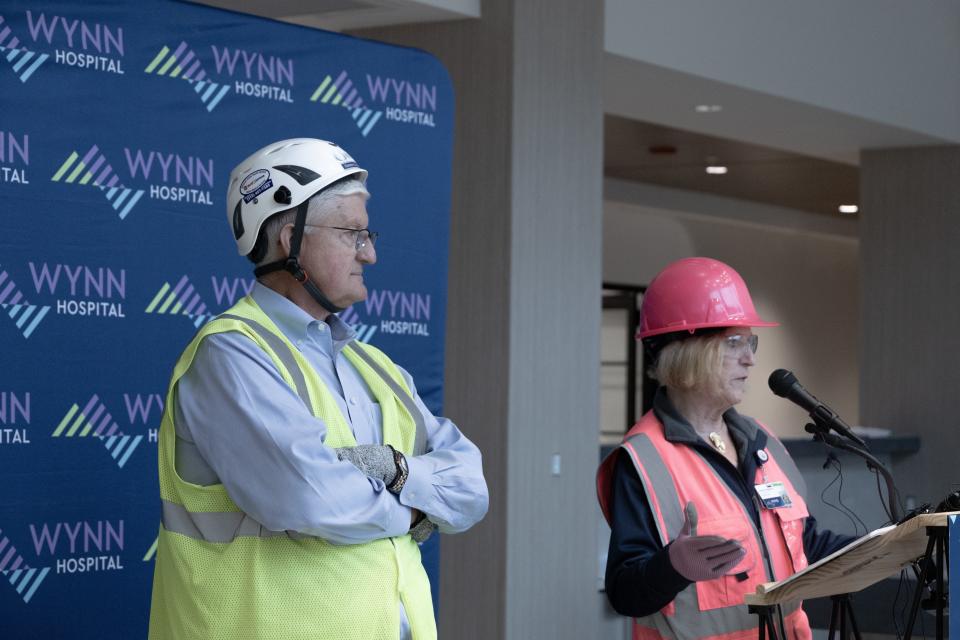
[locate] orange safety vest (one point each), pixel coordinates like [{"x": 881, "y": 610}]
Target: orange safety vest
[{"x": 674, "y": 474}]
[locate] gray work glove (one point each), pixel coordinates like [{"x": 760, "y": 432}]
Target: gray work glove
[
  {"x": 702, "y": 557},
  {"x": 375, "y": 460},
  {"x": 422, "y": 530}
]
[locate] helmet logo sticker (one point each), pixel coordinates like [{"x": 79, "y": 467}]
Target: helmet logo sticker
[
  {"x": 254, "y": 184},
  {"x": 301, "y": 174},
  {"x": 344, "y": 158}
]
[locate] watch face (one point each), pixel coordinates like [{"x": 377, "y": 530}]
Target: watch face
[{"x": 400, "y": 460}]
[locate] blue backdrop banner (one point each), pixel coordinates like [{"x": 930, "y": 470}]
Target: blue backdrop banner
[
  {"x": 119, "y": 125},
  {"x": 953, "y": 550}
]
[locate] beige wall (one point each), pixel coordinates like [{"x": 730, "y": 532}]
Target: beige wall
[
  {"x": 805, "y": 279},
  {"x": 523, "y": 319},
  {"x": 911, "y": 271}
]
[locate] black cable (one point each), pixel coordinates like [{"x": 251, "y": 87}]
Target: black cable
[
  {"x": 866, "y": 529},
  {"x": 833, "y": 461},
  {"x": 896, "y": 599},
  {"x": 886, "y": 510}
]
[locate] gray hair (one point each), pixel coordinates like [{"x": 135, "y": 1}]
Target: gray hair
[{"x": 319, "y": 205}]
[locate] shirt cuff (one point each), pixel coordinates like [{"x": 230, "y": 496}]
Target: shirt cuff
[
  {"x": 398, "y": 515},
  {"x": 417, "y": 492}
]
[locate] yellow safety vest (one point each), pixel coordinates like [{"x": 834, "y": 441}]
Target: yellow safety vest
[{"x": 222, "y": 575}]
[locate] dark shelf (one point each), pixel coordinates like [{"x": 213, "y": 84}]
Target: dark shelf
[{"x": 894, "y": 445}]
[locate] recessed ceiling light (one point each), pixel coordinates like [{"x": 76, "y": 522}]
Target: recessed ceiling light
[
  {"x": 707, "y": 108},
  {"x": 849, "y": 208},
  {"x": 716, "y": 170}
]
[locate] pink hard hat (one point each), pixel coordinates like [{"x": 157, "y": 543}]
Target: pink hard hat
[{"x": 697, "y": 293}]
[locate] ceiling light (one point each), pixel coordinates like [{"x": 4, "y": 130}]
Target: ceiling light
[
  {"x": 707, "y": 108},
  {"x": 716, "y": 170},
  {"x": 849, "y": 208}
]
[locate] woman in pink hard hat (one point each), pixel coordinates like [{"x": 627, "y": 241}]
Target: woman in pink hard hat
[{"x": 704, "y": 503}]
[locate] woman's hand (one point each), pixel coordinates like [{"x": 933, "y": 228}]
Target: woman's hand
[{"x": 702, "y": 557}]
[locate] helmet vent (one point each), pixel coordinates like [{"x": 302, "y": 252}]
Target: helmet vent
[
  {"x": 301, "y": 174},
  {"x": 237, "y": 221}
]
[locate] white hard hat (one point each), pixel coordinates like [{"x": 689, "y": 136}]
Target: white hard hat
[{"x": 278, "y": 177}]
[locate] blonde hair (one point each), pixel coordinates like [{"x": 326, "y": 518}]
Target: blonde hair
[{"x": 690, "y": 363}]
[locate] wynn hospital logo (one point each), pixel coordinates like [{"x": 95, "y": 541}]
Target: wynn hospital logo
[
  {"x": 25, "y": 316},
  {"x": 341, "y": 92},
  {"x": 95, "y": 422},
  {"x": 23, "y": 61},
  {"x": 22, "y": 577},
  {"x": 93, "y": 169},
  {"x": 184, "y": 64}
]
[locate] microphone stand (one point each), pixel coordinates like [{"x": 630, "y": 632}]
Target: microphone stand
[
  {"x": 842, "y": 604},
  {"x": 821, "y": 432}
]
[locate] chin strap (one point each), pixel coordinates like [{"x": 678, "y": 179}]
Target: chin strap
[{"x": 292, "y": 263}]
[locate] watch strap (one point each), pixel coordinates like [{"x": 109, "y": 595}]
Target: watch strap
[{"x": 396, "y": 485}]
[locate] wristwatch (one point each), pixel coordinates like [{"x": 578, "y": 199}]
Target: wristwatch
[{"x": 396, "y": 485}]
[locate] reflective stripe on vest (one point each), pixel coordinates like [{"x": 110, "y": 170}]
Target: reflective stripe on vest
[
  {"x": 193, "y": 466},
  {"x": 283, "y": 352},
  {"x": 216, "y": 526},
  {"x": 684, "y": 618},
  {"x": 221, "y": 574},
  {"x": 779, "y": 453},
  {"x": 420, "y": 438},
  {"x": 704, "y": 624},
  {"x": 660, "y": 489},
  {"x": 658, "y": 485},
  {"x": 286, "y": 356}
]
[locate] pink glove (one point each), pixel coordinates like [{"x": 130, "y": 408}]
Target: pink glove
[{"x": 702, "y": 557}]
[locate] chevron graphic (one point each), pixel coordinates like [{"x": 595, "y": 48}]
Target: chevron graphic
[
  {"x": 184, "y": 64},
  {"x": 364, "y": 331},
  {"x": 94, "y": 169},
  {"x": 180, "y": 299},
  {"x": 26, "y": 316},
  {"x": 341, "y": 92},
  {"x": 365, "y": 119},
  {"x": 210, "y": 92},
  {"x": 152, "y": 551},
  {"x": 338, "y": 92},
  {"x": 24, "y": 62},
  {"x": 25, "y": 579},
  {"x": 121, "y": 447},
  {"x": 95, "y": 420}
]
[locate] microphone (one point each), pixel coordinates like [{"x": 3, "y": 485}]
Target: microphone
[{"x": 785, "y": 384}]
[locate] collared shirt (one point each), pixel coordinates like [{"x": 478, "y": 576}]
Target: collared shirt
[{"x": 268, "y": 450}]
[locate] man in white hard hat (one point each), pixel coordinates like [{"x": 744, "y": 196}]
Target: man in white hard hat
[{"x": 299, "y": 468}]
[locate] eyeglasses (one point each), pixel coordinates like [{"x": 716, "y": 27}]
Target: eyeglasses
[
  {"x": 361, "y": 237},
  {"x": 739, "y": 344}
]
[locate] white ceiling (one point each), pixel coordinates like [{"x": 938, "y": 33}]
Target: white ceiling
[
  {"x": 642, "y": 91},
  {"x": 342, "y": 15},
  {"x": 771, "y": 95}
]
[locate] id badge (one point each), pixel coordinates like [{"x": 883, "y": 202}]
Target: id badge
[{"x": 773, "y": 495}]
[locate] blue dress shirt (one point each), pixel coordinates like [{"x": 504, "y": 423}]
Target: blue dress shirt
[{"x": 268, "y": 450}]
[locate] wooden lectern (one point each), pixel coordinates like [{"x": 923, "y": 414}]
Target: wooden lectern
[{"x": 861, "y": 563}]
